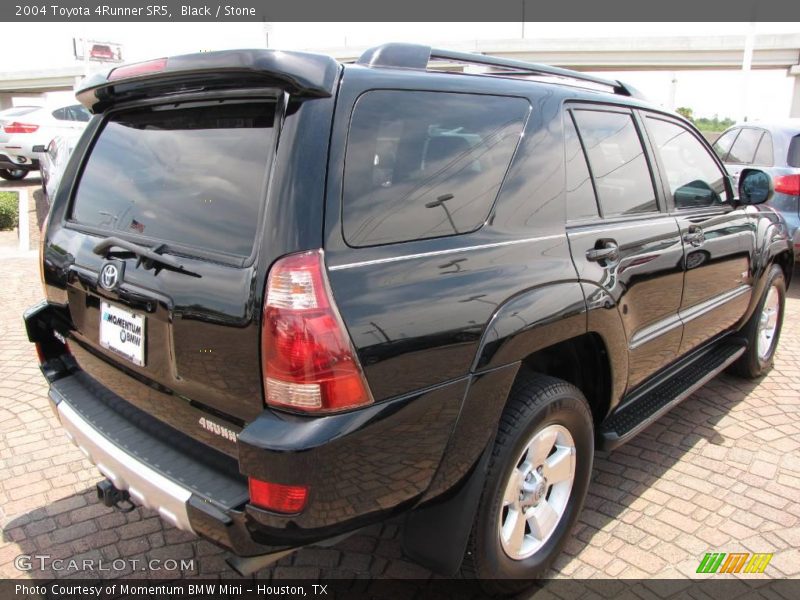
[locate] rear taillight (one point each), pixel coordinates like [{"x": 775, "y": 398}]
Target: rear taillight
[
  {"x": 136, "y": 69},
  {"x": 17, "y": 127},
  {"x": 289, "y": 499},
  {"x": 308, "y": 360},
  {"x": 788, "y": 184}
]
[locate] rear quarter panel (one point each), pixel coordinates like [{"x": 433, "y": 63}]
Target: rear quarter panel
[{"x": 417, "y": 310}]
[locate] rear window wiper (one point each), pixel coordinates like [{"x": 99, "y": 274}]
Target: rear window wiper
[{"x": 149, "y": 258}]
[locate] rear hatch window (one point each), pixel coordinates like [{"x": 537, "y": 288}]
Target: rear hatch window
[{"x": 192, "y": 175}]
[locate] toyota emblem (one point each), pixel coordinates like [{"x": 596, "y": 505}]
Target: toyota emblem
[{"x": 109, "y": 277}]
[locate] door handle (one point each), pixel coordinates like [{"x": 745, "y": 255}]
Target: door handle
[
  {"x": 608, "y": 251},
  {"x": 694, "y": 236}
]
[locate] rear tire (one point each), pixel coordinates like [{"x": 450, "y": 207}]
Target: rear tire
[
  {"x": 13, "y": 174},
  {"x": 763, "y": 330},
  {"x": 535, "y": 486}
]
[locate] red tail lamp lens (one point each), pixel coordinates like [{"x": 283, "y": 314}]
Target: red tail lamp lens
[
  {"x": 288, "y": 499},
  {"x": 788, "y": 184},
  {"x": 308, "y": 361},
  {"x": 16, "y": 127}
]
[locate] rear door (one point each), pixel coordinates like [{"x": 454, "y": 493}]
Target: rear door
[
  {"x": 187, "y": 180},
  {"x": 716, "y": 236},
  {"x": 625, "y": 244}
]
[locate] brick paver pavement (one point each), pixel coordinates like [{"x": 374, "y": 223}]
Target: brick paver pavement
[{"x": 719, "y": 473}]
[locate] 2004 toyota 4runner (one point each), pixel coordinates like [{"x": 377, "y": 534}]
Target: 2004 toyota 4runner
[{"x": 287, "y": 298}]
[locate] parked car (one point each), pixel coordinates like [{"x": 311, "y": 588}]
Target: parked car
[
  {"x": 10, "y": 169},
  {"x": 773, "y": 147},
  {"x": 435, "y": 297},
  {"x": 28, "y": 127},
  {"x": 54, "y": 160}
]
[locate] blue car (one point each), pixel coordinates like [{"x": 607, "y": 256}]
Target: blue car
[{"x": 773, "y": 147}]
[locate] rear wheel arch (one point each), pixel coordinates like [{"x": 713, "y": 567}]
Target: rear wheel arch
[{"x": 582, "y": 361}]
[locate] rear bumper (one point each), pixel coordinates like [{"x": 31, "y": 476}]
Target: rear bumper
[
  {"x": 158, "y": 466},
  {"x": 360, "y": 467},
  {"x": 146, "y": 486},
  {"x": 6, "y": 162}
]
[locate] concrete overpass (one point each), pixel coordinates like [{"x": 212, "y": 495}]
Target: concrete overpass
[
  {"x": 34, "y": 83},
  {"x": 672, "y": 53}
]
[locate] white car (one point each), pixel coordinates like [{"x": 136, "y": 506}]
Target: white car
[
  {"x": 24, "y": 127},
  {"x": 54, "y": 159}
]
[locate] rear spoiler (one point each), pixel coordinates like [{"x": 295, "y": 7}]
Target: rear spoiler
[{"x": 300, "y": 73}]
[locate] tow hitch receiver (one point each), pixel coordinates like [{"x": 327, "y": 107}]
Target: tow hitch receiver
[{"x": 114, "y": 498}]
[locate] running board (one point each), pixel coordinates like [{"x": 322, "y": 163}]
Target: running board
[{"x": 670, "y": 389}]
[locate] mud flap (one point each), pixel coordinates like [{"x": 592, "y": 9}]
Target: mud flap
[{"x": 436, "y": 535}]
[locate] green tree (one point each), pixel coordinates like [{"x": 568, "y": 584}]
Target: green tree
[{"x": 686, "y": 113}]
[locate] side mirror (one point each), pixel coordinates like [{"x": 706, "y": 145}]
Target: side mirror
[
  {"x": 755, "y": 187},
  {"x": 39, "y": 148}
]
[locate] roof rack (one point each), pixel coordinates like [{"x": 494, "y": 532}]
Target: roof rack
[{"x": 417, "y": 56}]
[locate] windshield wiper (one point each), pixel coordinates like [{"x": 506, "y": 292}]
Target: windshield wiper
[{"x": 149, "y": 258}]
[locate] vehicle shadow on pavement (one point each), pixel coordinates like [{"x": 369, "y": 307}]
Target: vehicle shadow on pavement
[
  {"x": 686, "y": 485},
  {"x": 79, "y": 528},
  {"x": 42, "y": 207},
  {"x": 654, "y": 505}
]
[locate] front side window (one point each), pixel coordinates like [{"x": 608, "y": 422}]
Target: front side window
[
  {"x": 723, "y": 144},
  {"x": 619, "y": 167},
  {"x": 695, "y": 179},
  {"x": 425, "y": 164},
  {"x": 189, "y": 174}
]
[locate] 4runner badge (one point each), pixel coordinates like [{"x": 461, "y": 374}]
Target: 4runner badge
[{"x": 217, "y": 429}]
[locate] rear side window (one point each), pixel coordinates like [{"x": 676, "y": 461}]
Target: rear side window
[
  {"x": 744, "y": 149},
  {"x": 79, "y": 113},
  {"x": 695, "y": 179},
  {"x": 581, "y": 202},
  {"x": 763, "y": 156},
  {"x": 62, "y": 114},
  {"x": 723, "y": 144},
  {"x": 620, "y": 170},
  {"x": 793, "y": 158},
  {"x": 190, "y": 175},
  {"x": 425, "y": 164}
]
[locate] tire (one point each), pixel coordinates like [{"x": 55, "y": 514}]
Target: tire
[
  {"x": 13, "y": 174},
  {"x": 758, "y": 358},
  {"x": 540, "y": 408}
]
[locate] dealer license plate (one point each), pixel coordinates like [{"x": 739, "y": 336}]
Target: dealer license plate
[{"x": 122, "y": 332}]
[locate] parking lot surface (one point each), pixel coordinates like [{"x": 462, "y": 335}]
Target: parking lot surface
[{"x": 720, "y": 473}]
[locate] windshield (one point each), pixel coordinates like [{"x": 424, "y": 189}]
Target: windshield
[{"x": 191, "y": 174}]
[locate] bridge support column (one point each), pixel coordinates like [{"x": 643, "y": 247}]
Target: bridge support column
[
  {"x": 794, "y": 110},
  {"x": 5, "y": 101}
]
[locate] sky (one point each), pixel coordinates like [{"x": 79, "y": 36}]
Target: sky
[{"x": 708, "y": 93}]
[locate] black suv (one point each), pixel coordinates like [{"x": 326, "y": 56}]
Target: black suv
[{"x": 288, "y": 298}]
